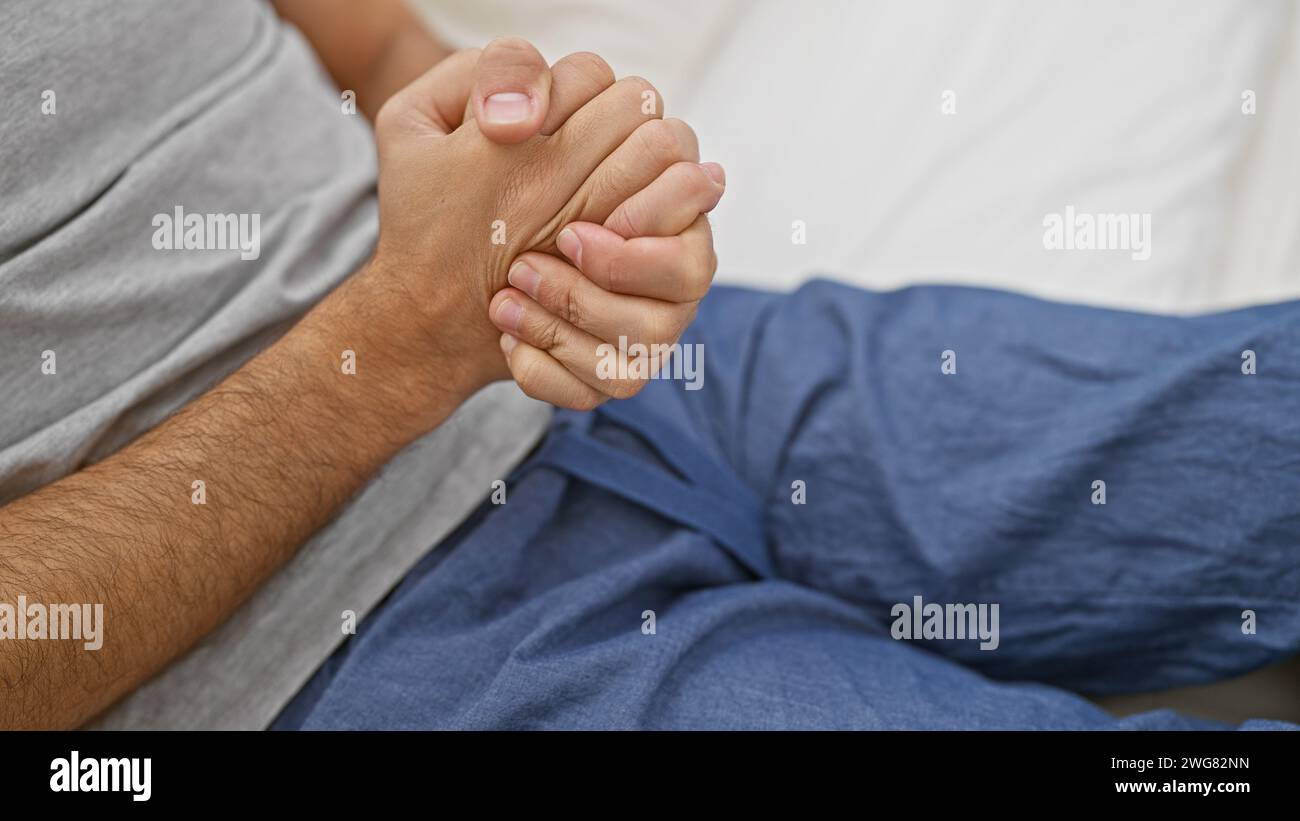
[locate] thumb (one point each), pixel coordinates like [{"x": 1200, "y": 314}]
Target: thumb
[
  {"x": 436, "y": 100},
  {"x": 512, "y": 91}
]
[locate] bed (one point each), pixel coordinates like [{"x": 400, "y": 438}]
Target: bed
[{"x": 909, "y": 142}]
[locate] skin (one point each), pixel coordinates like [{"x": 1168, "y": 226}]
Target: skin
[
  {"x": 374, "y": 48},
  {"x": 288, "y": 438},
  {"x": 560, "y": 313}
]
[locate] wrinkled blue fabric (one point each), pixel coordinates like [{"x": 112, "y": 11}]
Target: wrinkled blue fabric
[{"x": 969, "y": 487}]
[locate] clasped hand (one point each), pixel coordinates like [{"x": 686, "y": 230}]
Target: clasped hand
[{"x": 556, "y": 204}]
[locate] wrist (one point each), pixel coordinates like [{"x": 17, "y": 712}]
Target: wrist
[{"x": 393, "y": 357}]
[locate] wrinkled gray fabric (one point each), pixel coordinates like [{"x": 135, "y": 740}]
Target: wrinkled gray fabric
[{"x": 217, "y": 108}]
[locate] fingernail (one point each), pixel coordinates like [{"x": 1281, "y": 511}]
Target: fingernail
[
  {"x": 508, "y": 343},
  {"x": 570, "y": 246},
  {"x": 509, "y": 313},
  {"x": 506, "y": 107},
  {"x": 524, "y": 278},
  {"x": 715, "y": 171}
]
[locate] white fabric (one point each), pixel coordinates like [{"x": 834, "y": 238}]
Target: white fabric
[{"x": 829, "y": 112}]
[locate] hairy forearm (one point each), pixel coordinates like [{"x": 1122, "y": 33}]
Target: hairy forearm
[{"x": 279, "y": 446}]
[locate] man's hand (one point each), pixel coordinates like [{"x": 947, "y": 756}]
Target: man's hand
[
  {"x": 638, "y": 283},
  {"x": 457, "y": 209},
  {"x": 507, "y": 91},
  {"x": 287, "y": 439}
]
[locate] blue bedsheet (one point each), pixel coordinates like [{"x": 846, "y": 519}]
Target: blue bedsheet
[{"x": 971, "y": 487}]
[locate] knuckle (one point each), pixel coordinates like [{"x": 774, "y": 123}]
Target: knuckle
[
  {"x": 618, "y": 272},
  {"x": 687, "y": 317},
  {"x": 625, "y": 388},
  {"x": 660, "y": 326},
  {"x": 630, "y": 218},
  {"x": 697, "y": 272},
  {"x": 572, "y": 309},
  {"x": 528, "y": 376},
  {"x": 637, "y": 83},
  {"x": 638, "y": 86},
  {"x": 586, "y": 401},
  {"x": 613, "y": 184},
  {"x": 701, "y": 185},
  {"x": 686, "y": 139},
  {"x": 709, "y": 260},
  {"x": 548, "y": 333},
  {"x": 592, "y": 66},
  {"x": 660, "y": 140},
  {"x": 700, "y": 277}
]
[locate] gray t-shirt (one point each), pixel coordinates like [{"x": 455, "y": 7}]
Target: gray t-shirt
[{"x": 113, "y": 114}]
